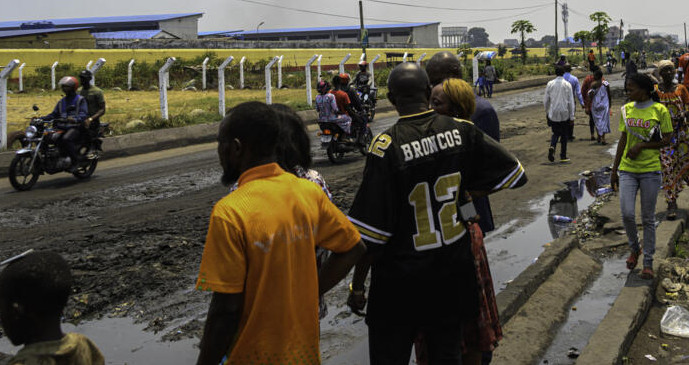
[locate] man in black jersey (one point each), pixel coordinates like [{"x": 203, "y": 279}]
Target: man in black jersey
[{"x": 423, "y": 277}]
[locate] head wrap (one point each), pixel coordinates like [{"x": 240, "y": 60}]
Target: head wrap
[{"x": 665, "y": 63}]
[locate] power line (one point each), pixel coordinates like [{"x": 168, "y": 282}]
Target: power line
[
  {"x": 454, "y": 9},
  {"x": 319, "y": 12},
  {"x": 500, "y": 18}
]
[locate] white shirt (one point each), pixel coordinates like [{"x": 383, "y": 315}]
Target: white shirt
[{"x": 559, "y": 100}]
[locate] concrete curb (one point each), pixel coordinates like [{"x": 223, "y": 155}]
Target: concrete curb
[
  {"x": 620, "y": 325},
  {"x": 518, "y": 292}
]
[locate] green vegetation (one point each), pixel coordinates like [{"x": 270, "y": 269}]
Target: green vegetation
[
  {"x": 600, "y": 31},
  {"x": 522, "y": 27}
]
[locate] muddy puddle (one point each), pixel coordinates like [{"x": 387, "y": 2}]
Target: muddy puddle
[
  {"x": 123, "y": 342},
  {"x": 591, "y": 308}
]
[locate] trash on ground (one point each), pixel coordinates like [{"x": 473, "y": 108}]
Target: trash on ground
[
  {"x": 671, "y": 287},
  {"x": 573, "y": 353},
  {"x": 651, "y": 357},
  {"x": 675, "y": 321}
]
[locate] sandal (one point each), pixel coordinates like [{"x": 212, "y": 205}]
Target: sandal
[
  {"x": 633, "y": 259},
  {"x": 647, "y": 273}
]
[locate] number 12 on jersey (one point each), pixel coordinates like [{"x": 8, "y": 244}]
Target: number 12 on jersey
[{"x": 445, "y": 190}]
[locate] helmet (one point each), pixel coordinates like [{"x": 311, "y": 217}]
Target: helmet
[
  {"x": 86, "y": 74},
  {"x": 363, "y": 64},
  {"x": 70, "y": 81},
  {"x": 345, "y": 78}
]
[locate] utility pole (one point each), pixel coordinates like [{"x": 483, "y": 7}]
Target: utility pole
[
  {"x": 620, "y": 35},
  {"x": 685, "y": 35},
  {"x": 557, "y": 49},
  {"x": 364, "y": 34}
]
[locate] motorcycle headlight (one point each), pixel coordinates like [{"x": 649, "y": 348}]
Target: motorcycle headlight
[{"x": 31, "y": 131}]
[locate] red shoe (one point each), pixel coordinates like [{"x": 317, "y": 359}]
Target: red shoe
[
  {"x": 647, "y": 273},
  {"x": 633, "y": 259}
]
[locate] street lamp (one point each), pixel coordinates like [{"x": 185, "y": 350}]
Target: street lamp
[{"x": 259, "y": 24}]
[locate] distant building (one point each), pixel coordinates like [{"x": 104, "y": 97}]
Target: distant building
[
  {"x": 405, "y": 34},
  {"x": 453, "y": 37},
  {"x": 47, "y": 38},
  {"x": 511, "y": 42},
  {"x": 615, "y": 34},
  {"x": 643, "y": 33},
  {"x": 182, "y": 26}
]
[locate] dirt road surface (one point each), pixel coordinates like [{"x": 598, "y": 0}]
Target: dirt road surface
[{"x": 134, "y": 233}]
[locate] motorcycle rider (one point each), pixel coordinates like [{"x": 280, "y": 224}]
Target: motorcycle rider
[
  {"x": 73, "y": 109},
  {"x": 363, "y": 79},
  {"x": 96, "y": 106},
  {"x": 359, "y": 118}
]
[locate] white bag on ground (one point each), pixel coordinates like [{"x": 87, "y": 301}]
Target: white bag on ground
[{"x": 675, "y": 321}]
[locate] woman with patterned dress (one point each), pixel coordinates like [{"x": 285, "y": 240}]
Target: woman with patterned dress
[
  {"x": 600, "y": 97},
  {"x": 675, "y": 157}
]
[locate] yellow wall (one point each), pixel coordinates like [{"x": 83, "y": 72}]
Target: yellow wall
[
  {"x": 59, "y": 40},
  {"x": 292, "y": 57}
]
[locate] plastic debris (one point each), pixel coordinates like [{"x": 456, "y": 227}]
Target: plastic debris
[
  {"x": 671, "y": 287},
  {"x": 651, "y": 357},
  {"x": 664, "y": 346},
  {"x": 675, "y": 321},
  {"x": 574, "y": 308},
  {"x": 573, "y": 353},
  {"x": 602, "y": 191},
  {"x": 562, "y": 219}
]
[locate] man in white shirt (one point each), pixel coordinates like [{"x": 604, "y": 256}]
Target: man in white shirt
[{"x": 559, "y": 108}]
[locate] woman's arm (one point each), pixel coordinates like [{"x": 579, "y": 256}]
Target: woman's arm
[{"x": 614, "y": 179}]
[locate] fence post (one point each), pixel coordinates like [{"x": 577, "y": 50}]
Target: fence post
[
  {"x": 21, "y": 77},
  {"x": 88, "y": 65},
  {"x": 319, "y": 67},
  {"x": 221, "y": 84},
  {"x": 129, "y": 74},
  {"x": 404, "y": 58},
  {"x": 241, "y": 72},
  {"x": 4, "y": 74},
  {"x": 371, "y": 68},
  {"x": 97, "y": 66},
  {"x": 280, "y": 72},
  {"x": 52, "y": 74},
  {"x": 204, "y": 65},
  {"x": 474, "y": 68},
  {"x": 418, "y": 62},
  {"x": 342, "y": 70},
  {"x": 162, "y": 86},
  {"x": 363, "y": 57},
  {"x": 269, "y": 93},
  {"x": 307, "y": 72}
]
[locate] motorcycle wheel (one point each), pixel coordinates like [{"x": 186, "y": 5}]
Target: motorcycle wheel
[
  {"x": 366, "y": 140},
  {"x": 21, "y": 176},
  {"x": 86, "y": 170},
  {"x": 15, "y": 140},
  {"x": 333, "y": 155}
]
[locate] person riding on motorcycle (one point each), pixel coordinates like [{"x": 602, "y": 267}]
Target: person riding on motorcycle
[
  {"x": 363, "y": 79},
  {"x": 95, "y": 102},
  {"x": 328, "y": 111},
  {"x": 74, "y": 110},
  {"x": 357, "y": 108}
]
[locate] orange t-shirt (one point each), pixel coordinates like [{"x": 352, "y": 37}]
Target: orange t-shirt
[
  {"x": 684, "y": 64},
  {"x": 592, "y": 57},
  {"x": 260, "y": 242}
]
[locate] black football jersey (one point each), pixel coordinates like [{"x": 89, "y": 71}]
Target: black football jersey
[{"x": 407, "y": 207}]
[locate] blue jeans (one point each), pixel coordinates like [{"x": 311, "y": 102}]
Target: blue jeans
[
  {"x": 649, "y": 184},
  {"x": 489, "y": 88}
]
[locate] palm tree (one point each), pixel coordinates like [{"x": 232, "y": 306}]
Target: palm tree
[
  {"x": 523, "y": 27},
  {"x": 582, "y": 36},
  {"x": 600, "y": 31}
]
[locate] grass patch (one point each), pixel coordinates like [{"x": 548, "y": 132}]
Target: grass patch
[{"x": 682, "y": 246}]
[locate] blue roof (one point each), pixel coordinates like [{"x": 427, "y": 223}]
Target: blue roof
[
  {"x": 23, "y": 32},
  {"x": 102, "y": 20},
  {"x": 222, "y": 33},
  {"x": 340, "y": 28},
  {"x": 127, "y": 34}
]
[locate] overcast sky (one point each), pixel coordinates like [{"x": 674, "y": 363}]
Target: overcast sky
[{"x": 658, "y": 16}]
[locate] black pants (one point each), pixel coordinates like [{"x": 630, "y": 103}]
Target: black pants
[
  {"x": 561, "y": 132},
  {"x": 68, "y": 143},
  {"x": 592, "y": 124},
  {"x": 392, "y": 344}
]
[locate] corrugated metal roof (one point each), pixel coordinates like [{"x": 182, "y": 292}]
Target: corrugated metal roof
[
  {"x": 328, "y": 29},
  {"x": 102, "y": 20},
  {"x": 223, "y": 33},
  {"x": 127, "y": 34},
  {"x": 24, "y": 32}
]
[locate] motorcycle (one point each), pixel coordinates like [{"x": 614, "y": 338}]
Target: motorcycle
[
  {"x": 40, "y": 154},
  {"x": 336, "y": 142},
  {"x": 368, "y": 101}
]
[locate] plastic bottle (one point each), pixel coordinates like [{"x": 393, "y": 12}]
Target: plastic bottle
[
  {"x": 602, "y": 191},
  {"x": 562, "y": 219}
]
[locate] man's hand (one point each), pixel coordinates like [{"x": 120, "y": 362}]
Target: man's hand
[
  {"x": 357, "y": 302},
  {"x": 634, "y": 152},
  {"x": 88, "y": 121}
]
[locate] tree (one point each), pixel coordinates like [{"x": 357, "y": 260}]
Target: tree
[
  {"x": 522, "y": 27},
  {"x": 633, "y": 42},
  {"x": 501, "y": 50},
  {"x": 583, "y": 36},
  {"x": 600, "y": 31},
  {"x": 478, "y": 37}
]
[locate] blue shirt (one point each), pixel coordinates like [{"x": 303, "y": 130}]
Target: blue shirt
[
  {"x": 79, "y": 113},
  {"x": 575, "y": 86}
]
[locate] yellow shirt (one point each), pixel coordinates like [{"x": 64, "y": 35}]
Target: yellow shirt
[{"x": 260, "y": 242}]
